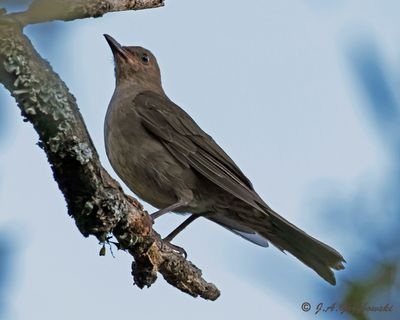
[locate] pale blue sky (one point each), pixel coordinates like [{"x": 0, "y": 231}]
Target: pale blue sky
[{"x": 271, "y": 83}]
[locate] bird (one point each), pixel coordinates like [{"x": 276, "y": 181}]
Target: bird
[{"x": 168, "y": 161}]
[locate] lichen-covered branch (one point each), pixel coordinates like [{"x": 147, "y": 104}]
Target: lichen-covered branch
[
  {"x": 50, "y": 10},
  {"x": 94, "y": 199}
]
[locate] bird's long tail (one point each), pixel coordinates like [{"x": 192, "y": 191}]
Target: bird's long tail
[
  {"x": 268, "y": 226},
  {"x": 315, "y": 254}
]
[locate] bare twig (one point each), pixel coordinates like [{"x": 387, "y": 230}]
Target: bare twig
[
  {"x": 94, "y": 199},
  {"x": 50, "y": 10}
]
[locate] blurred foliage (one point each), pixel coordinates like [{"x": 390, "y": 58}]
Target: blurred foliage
[
  {"x": 363, "y": 291},
  {"x": 2, "y": 118},
  {"x": 375, "y": 282},
  {"x": 378, "y": 87},
  {"x": 5, "y": 255}
]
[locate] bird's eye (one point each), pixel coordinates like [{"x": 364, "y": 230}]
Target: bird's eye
[{"x": 145, "y": 58}]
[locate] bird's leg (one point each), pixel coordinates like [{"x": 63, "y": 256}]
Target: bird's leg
[
  {"x": 177, "y": 230},
  {"x": 170, "y": 208},
  {"x": 184, "y": 201}
]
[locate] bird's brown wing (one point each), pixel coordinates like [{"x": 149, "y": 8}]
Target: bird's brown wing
[
  {"x": 191, "y": 146},
  {"x": 194, "y": 148}
]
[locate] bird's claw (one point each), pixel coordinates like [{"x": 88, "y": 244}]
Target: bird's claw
[{"x": 175, "y": 248}]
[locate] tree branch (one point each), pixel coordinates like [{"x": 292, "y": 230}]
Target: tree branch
[
  {"x": 50, "y": 10},
  {"x": 94, "y": 199}
]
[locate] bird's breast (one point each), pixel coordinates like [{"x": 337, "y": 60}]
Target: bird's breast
[{"x": 139, "y": 158}]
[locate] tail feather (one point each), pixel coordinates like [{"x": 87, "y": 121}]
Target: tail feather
[
  {"x": 313, "y": 253},
  {"x": 268, "y": 226}
]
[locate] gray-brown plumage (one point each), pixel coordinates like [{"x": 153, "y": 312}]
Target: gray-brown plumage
[{"x": 165, "y": 158}]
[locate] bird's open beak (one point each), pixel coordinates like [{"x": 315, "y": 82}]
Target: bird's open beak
[{"x": 116, "y": 48}]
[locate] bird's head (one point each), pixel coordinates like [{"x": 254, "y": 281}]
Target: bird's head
[{"x": 134, "y": 64}]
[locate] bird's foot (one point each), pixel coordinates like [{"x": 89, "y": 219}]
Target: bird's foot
[{"x": 175, "y": 248}]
